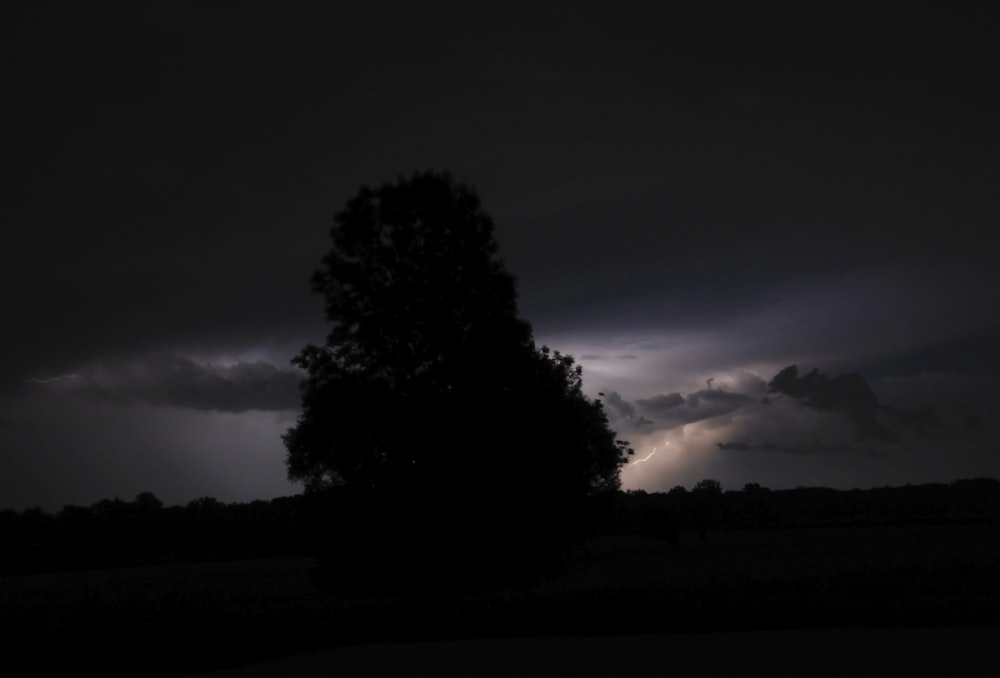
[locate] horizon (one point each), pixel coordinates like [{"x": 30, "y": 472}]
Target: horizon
[{"x": 54, "y": 511}]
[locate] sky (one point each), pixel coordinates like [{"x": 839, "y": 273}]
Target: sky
[{"x": 692, "y": 200}]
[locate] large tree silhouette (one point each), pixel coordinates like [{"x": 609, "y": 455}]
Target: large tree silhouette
[{"x": 430, "y": 392}]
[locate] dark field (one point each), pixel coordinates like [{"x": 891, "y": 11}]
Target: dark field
[{"x": 183, "y": 619}]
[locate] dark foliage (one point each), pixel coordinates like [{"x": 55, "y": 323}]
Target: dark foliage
[
  {"x": 116, "y": 533},
  {"x": 430, "y": 416},
  {"x": 706, "y": 507}
]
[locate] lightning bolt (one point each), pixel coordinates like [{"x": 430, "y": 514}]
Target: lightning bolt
[{"x": 647, "y": 457}]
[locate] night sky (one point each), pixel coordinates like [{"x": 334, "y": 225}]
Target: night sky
[{"x": 691, "y": 201}]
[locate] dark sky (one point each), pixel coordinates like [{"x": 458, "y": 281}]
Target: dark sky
[{"x": 691, "y": 201}]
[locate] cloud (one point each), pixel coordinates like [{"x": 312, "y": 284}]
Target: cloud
[
  {"x": 620, "y": 405},
  {"x": 816, "y": 428},
  {"x": 718, "y": 399},
  {"x": 660, "y": 404},
  {"x": 844, "y": 394},
  {"x": 800, "y": 447},
  {"x": 844, "y": 417},
  {"x": 673, "y": 409},
  {"x": 179, "y": 381},
  {"x": 794, "y": 413}
]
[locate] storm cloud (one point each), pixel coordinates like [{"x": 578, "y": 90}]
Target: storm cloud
[
  {"x": 815, "y": 413},
  {"x": 619, "y": 405},
  {"x": 673, "y": 409},
  {"x": 844, "y": 394},
  {"x": 661, "y": 404},
  {"x": 179, "y": 381},
  {"x": 801, "y": 447}
]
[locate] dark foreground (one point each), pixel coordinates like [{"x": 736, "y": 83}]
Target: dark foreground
[
  {"x": 823, "y": 653},
  {"x": 189, "y": 619}
]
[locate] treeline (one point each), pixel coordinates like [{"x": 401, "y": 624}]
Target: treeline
[
  {"x": 116, "y": 533},
  {"x": 707, "y": 506}
]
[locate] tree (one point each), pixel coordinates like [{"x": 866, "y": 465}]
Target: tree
[{"x": 429, "y": 391}]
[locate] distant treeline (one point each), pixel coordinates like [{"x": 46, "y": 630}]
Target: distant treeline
[
  {"x": 707, "y": 506},
  {"x": 116, "y": 533}
]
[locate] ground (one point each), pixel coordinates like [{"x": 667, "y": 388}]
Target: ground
[{"x": 774, "y": 589}]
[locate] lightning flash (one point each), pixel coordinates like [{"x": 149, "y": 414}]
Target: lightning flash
[{"x": 647, "y": 457}]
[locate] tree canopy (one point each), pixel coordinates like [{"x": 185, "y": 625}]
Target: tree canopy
[
  {"x": 428, "y": 374},
  {"x": 430, "y": 389}
]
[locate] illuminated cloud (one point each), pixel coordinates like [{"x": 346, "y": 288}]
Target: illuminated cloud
[
  {"x": 795, "y": 429},
  {"x": 673, "y": 409},
  {"x": 179, "y": 381}
]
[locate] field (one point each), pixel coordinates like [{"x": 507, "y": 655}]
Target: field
[{"x": 183, "y": 619}]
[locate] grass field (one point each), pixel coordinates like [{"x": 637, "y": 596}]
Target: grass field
[{"x": 182, "y": 619}]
